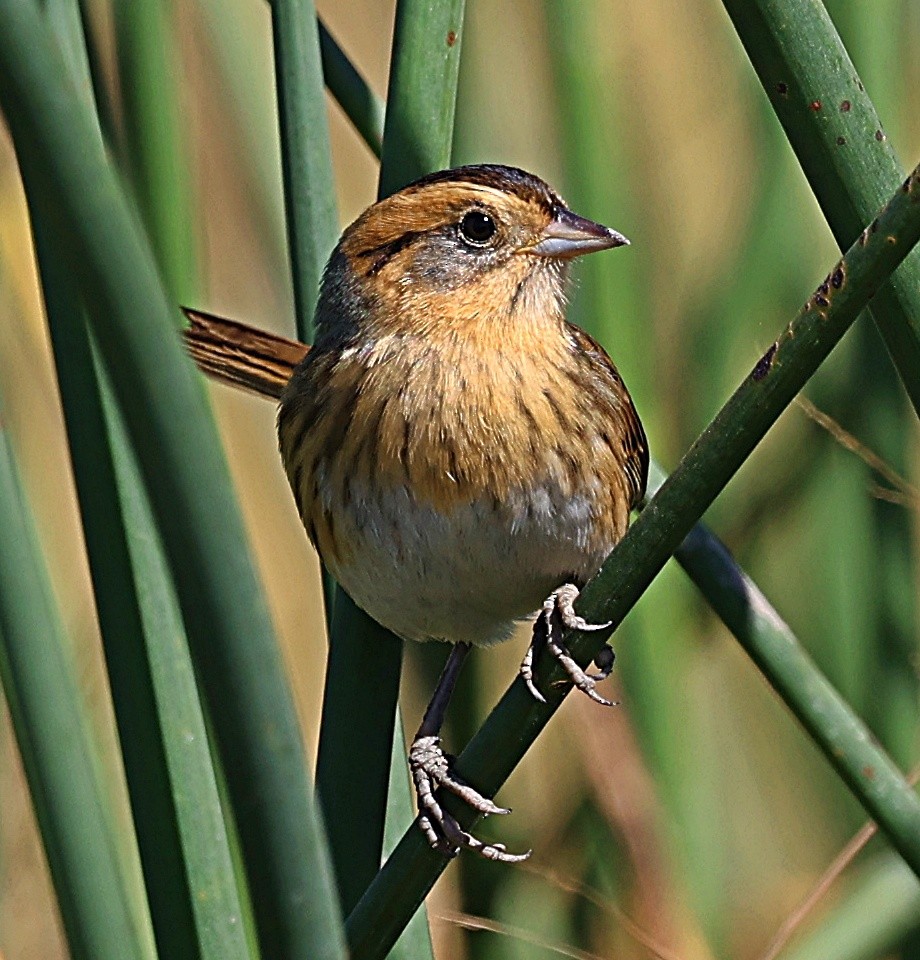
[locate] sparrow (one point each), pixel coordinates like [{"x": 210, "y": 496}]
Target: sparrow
[{"x": 462, "y": 457}]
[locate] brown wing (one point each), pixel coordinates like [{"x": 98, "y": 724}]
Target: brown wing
[{"x": 631, "y": 434}]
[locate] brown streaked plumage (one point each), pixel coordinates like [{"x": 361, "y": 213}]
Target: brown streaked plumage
[{"x": 458, "y": 451}]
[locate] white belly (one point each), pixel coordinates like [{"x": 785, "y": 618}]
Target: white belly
[{"x": 470, "y": 574}]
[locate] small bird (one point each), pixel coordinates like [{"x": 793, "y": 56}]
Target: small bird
[{"x": 461, "y": 456}]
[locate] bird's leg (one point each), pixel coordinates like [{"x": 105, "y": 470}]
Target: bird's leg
[
  {"x": 430, "y": 768},
  {"x": 559, "y": 612}
]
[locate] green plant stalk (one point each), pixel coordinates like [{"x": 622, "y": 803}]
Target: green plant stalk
[
  {"x": 65, "y": 20},
  {"x": 123, "y": 585},
  {"x": 839, "y": 141},
  {"x": 306, "y": 156},
  {"x": 843, "y": 738},
  {"x": 422, "y": 91},
  {"x": 710, "y": 463},
  {"x": 361, "y": 105},
  {"x": 55, "y": 743},
  {"x": 850, "y": 164},
  {"x": 836, "y": 133},
  {"x": 168, "y": 893},
  {"x": 154, "y": 140},
  {"x": 306, "y": 166},
  {"x": 312, "y": 228},
  {"x": 183, "y": 467},
  {"x": 195, "y": 802},
  {"x": 86, "y": 59},
  {"x": 357, "y": 729},
  {"x": 352, "y": 765}
]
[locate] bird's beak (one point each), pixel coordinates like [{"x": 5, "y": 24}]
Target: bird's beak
[{"x": 569, "y": 235}]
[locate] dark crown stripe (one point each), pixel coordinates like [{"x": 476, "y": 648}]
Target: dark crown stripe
[{"x": 498, "y": 177}]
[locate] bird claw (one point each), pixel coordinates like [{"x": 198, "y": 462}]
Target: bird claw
[
  {"x": 559, "y": 612},
  {"x": 430, "y": 768},
  {"x": 526, "y": 668}
]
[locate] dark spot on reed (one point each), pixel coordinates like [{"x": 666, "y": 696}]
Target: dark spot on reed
[{"x": 765, "y": 363}]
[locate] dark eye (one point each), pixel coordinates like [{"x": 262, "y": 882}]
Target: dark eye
[{"x": 477, "y": 228}]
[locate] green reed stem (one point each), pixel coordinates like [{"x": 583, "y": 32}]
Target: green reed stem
[
  {"x": 840, "y": 142},
  {"x": 851, "y": 165},
  {"x": 154, "y": 137},
  {"x": 118, "y": 608},
  {"x": 176, "y": 809},
  {"x": 306, "y": 156},
  {"x": 353, "y": 766},
  {"x": 306, "y": 165},
  {"x": 56, "y": 745},
  {"x": 422, "y": 92},
  {"x": 361, "y": 105}
]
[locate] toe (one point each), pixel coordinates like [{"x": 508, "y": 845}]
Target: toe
[
  {"x": 531, "y": 686},
  {"x": 564, "y": 603}
]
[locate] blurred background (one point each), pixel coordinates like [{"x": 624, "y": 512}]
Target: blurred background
[{"x": 691, "y": 820}]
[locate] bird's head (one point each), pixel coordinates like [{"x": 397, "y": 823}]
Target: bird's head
[{"x": 479, "y": 248}]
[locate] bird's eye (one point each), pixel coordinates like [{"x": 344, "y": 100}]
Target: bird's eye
[{"x": 477, "y": 228}]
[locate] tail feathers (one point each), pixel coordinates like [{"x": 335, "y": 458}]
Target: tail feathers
[{"x": 241, "y": 356}]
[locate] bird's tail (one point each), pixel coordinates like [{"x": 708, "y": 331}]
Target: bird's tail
[{"x": 242, "y": 356}]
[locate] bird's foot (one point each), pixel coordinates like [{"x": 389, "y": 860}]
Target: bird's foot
[
  {"x": 430, "y": 768},
  {"x": 558, "y": 613}
]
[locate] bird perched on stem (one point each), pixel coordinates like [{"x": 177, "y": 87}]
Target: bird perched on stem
[{"x": 461, "y": 455}]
